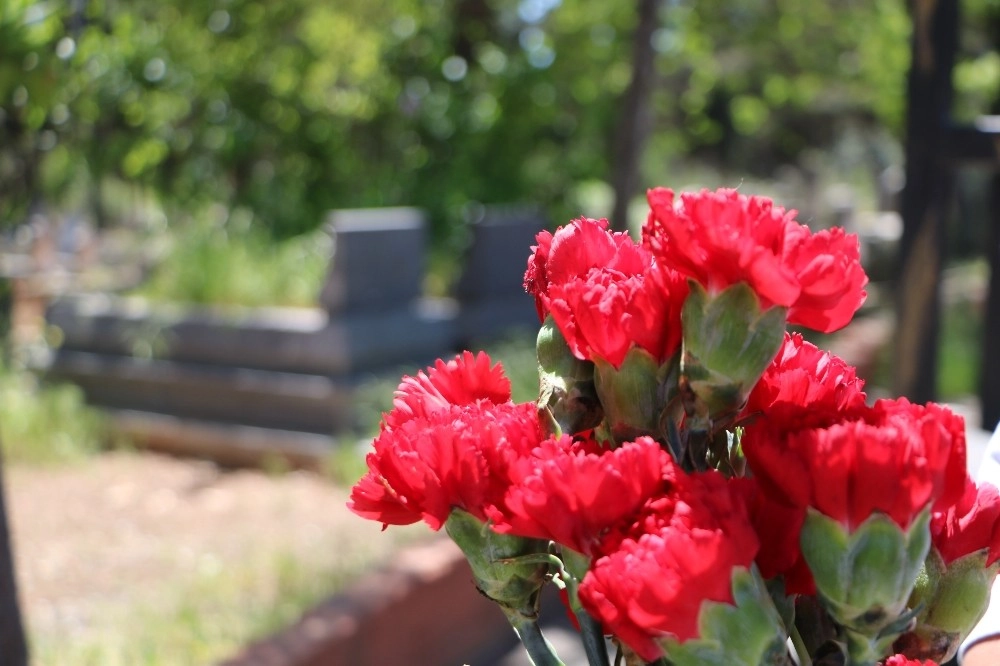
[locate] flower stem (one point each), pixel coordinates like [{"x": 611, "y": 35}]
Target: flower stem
[
  {"x": 593, "y": 639},
  {"x": 800, "y": 646},
  {"x": 539, "y": 650}
]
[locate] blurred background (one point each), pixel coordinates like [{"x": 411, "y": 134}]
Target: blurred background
[{"x": 195, "y": 197}]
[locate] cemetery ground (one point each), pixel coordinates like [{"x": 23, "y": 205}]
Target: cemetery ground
[{"x": 135, "y": 558}]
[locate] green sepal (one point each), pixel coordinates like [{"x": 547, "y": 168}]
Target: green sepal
[
  {"x": 864, "y": 578},
  {"x": 633, "y": 396},
  {"x": 728, "y": 343},
  {"x": 501, "y": 564},
  {"x": 566, "y": 383},
  {"x": 748, "y": 632}
]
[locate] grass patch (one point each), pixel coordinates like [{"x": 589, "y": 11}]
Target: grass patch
[
  {"x": 227, "y": 264},
  {"x": 47, "y": 423},
  {"x": 212, "y": 616}
]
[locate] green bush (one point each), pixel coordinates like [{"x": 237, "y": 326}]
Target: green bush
[
  {"x": 234, "y": 264},
  {"x": 46, "y": 424}
]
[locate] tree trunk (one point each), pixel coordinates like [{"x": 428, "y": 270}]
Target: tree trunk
[
  {"x": 6, "y": 316},
  {"x": 13, "y": 646},
  {"x": 634, "y": 119},
  {"x": 925, "y": 200}
]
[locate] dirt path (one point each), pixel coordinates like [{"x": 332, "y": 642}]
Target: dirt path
[{"x": 94, "y": 539}]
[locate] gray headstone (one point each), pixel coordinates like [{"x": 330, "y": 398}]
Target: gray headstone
[
  {"x": 378, "y": 259},
  {"x": 501, "y": 240},
  {"x": 491, "y": 288}
]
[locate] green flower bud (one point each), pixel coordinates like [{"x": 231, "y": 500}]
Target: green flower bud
[
  {"x": 728, "y": 343},
  {"x": 950, "y": 600}
]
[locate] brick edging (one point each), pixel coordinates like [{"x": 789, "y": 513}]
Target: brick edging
[{"x": 420, "y": 609}]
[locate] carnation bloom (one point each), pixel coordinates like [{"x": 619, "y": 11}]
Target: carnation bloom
[
  {"x": 572, "y": 493},
  {"x": 652, "y": 583},
  {"x": 970, "y": 525},
  {"x": 943, "y": 434},
  {"x": 457, "y": 457},
  {"x": 605, "y": 292},
  {"x": 778, "y": 527},
  {"x": 448, "y": 442},
  {"x": 536, "y": 278},
  {"x": 903, "y": 660},
  {"x": 898, "y": 459},
  {"x": 804, "y": 387},
  {"x": 722, "y": 238},
  {"x": 464, "y": 380}
]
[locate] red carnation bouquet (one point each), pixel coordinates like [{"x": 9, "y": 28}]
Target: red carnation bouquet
[{"x": 707, "y": 488}]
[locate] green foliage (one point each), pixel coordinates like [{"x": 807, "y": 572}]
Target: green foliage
[
  {"x": 46, "y": 424},
  {"x": 520, "y": 364},
  {"x": 227, "y": 261},
  {"x": 757, "y": 82},
  {"x": 289, "y": 109}
]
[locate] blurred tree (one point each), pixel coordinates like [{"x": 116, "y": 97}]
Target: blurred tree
[
  {"x": 289, "y": 109},
  {"x": 754, "y": 83},
  {"x": 295, "y": 108},
  {"x": 31, "y": 64}
]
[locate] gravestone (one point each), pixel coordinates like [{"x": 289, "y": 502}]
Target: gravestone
[
  {"x": 378, "y": 259},
  {"x": 490, "y": 290}
]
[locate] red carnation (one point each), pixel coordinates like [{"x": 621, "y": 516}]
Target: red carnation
[
  {"x": 464, "y": 380},
  {"x": 536, "y": 281},
  {"x": 652, "y": 583},
  {"x": 722, "y": 238},
  {"x": 573, "y": 250},
  {"x": 804, "y": 387},
  {"x": 943, "y": 434},
  {"x": 903, "y": 660},
  {"x": 455, "y": 457},
  {"x": 778, "y": 527},
  {"x": 859, "y": 468},
  {"x": 828, "y": 267},
  {"x": 572, "y": 493},
  {"x": 897, "y": 460},
  {"x": 970, "y": 525},
  {"x": 605, "y": 293}
]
